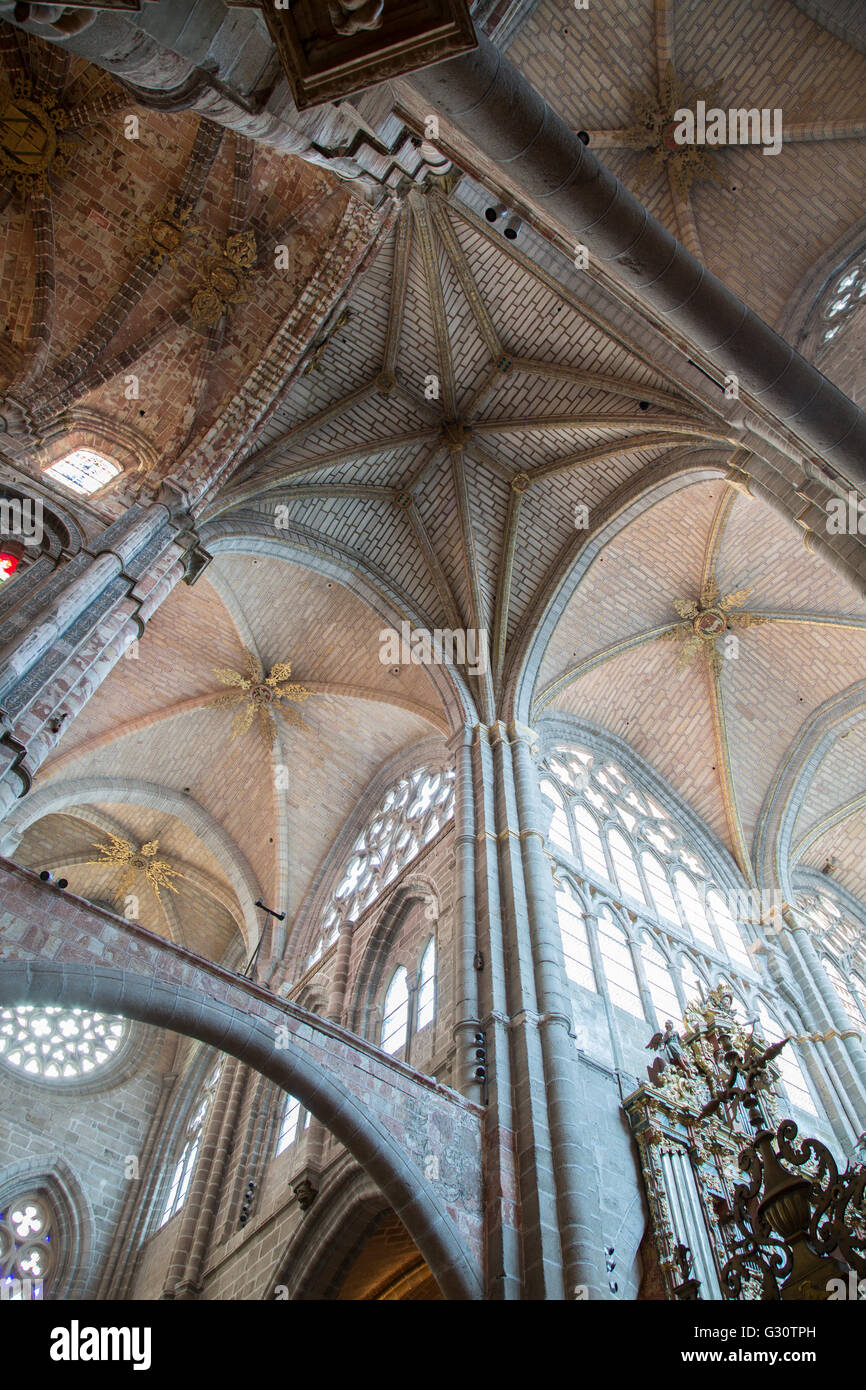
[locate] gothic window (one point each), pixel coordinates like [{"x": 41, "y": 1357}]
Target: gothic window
[
  {"x": 693, "y": 909},
  {"x": 840, "y": 984},
  {"x": 727, "y": 928},
  {"x": 426, "y": 987},
  {"x": 28, "y": 1246},
  {"x": 575, "y": 942},
  {"x": 842, "y": 299},
  {"x": 591, "y": 849},
  {"x": 608, "y": 831},
  {"x": 295, "y": 1119},
  {"x": 840, "y": 939},
  {"x": 84, "y": 470},
  {"x": 185, "y": 1165},
  {"x": 660, "y": 889},
  {"x": 410, "y": 814},
  {"x": 659, "y": 982},
  {"x": 559, "y": 833},
  {"x": 395, "y": 1012},
  {"x": 794, "y": 1082},
  {"x": 58, "y": 1044},
  {"x": 616, "y": 958},
  {"x": 624, "y": 866},
  {"x": 694, "y": 984}
]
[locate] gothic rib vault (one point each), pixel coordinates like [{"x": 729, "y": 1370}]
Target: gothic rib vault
[
  {"x": 482, "y": 439},
  {"x": 459, "y": 511}
]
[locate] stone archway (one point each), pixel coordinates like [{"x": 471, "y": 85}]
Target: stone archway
[{"x": 57, "y": 949}]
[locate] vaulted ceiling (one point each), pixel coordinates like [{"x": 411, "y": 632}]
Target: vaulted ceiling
[
  {"x": 722, "y": 732},
  {"x": 146, "y": 266},
  {"x": 467, "y": 429},
  {"x": 761, "y": 221}
]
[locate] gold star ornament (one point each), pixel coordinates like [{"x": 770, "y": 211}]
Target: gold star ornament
[
  {"x": 120, "y": 854},
  {"x": 706, "y": 619},
  {"x": 652, "y": 131},
  {"x": 260, "y": 695}
]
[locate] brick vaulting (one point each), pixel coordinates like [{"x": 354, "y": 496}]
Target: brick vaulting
[{"x": 344, "y": 484}]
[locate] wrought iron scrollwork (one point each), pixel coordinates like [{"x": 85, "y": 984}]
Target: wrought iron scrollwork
[{"x": 800, "y": 1223}]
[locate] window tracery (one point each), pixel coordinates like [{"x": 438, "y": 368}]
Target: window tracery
[
  {"x": 615, "y": 836},
  {"x": 185, "y": 1165},
  {"x": 840, "y": 940},
  {"x": 841, "y": 301},
  {"x": 410, "y": 814},
  {"x": 58, "y": 1044},
  {"x": 28, "y": 1246}
]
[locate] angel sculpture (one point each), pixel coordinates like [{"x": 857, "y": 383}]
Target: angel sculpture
[{"x": 669, "y": 1046}]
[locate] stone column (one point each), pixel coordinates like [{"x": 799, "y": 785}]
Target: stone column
[
  {"x": 502, "y": 1195},
  {"x": 465, "y": 939},
  {"x": 64, "y": 649},
  {"x": 305, "y": 1184},
  {"x": 573, "y": 1169},
  {"x": 541, "y": 1252},
  {"x": 196, "y": 1220}
]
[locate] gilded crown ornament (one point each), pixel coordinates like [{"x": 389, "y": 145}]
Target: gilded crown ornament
[
  {"x": 119, "y": 853},
  {"x": 260, "y": 695},
  {"x": 166, "y": 236}
]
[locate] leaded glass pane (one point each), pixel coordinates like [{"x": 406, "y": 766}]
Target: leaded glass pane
[
  {"x": 395, "y": 1014},
  {"x": 618, "y": 967},
  {"x": 575, "y": 944},
  {"x": 58, "y": 1044}
]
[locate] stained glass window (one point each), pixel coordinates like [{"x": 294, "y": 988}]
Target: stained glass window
[
  {"x": 28, "y": 1247},
  {"x": 84, "y": 470}
]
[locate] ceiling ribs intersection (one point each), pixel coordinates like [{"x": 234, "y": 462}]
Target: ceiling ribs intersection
[{"x": 467, "y": 431}]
